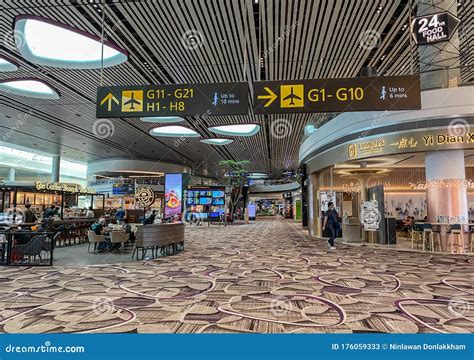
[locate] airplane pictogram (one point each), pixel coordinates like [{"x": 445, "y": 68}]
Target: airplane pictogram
[
  {"x": 291, "y": 96},
  {"x": 132, "y": 100}
]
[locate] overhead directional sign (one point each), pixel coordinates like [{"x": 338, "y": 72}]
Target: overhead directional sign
[
  {"x": 434, "y": 28},
  {"x": 337, "y": 95},
  {"x": 172, "y": 100}
]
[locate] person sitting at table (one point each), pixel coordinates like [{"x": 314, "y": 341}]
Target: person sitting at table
[
  {"x": 98, "y": 228},
  {"x": 128, "y": 229}
]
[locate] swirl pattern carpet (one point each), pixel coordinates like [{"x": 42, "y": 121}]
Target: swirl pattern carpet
[{"x": 267, "y": 277}]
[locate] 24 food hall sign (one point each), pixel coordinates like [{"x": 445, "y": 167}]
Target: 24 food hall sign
[
  {"x": 338, "y": 95},
  {"x": 433, "y": 28},
  {"x": 172, "y": 100}
]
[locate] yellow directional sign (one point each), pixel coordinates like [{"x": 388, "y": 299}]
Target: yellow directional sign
[
  {"x": 271, "y": 96},
  {"x": 132, "y": 100},
  {"x": 109, "y": 98},
  {"x": 291, "y": 96}
]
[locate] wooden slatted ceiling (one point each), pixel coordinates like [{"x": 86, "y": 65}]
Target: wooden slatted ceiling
[{"x": 241, "y": 41}]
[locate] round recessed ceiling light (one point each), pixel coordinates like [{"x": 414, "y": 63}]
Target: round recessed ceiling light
[
  {"x": 216, "y": 141},
  {"x": 236, "y": 130},
  {"x": 50, "y": 43},
  {"x": 7, "y": 64},
  {"x": 162, "y": 119},
  {"x": 29, "y": 87},
  {"x": 173, "y": 131}
]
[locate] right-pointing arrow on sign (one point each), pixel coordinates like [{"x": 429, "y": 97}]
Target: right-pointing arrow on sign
[
  {"x": 109, "y": 98},
  {"x": 271, "y": 96}
]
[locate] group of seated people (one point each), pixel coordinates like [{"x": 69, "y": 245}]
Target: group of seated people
[{"x": 107, "y": 245}]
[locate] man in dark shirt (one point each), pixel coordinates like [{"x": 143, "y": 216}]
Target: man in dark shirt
[
  {"x": 332, "y": 222},
  {"x": 29, "y": 216}
]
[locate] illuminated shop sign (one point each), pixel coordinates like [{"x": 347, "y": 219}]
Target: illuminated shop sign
[
  {"x": 416, "y": 141},
  {"x": 70, "y": 188},
  {"x": 338, "y": 95},
  {"x": 434, "y": 28}
]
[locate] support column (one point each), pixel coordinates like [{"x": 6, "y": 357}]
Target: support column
[
  {"x": 446, "y": 193},
  {"x": 11, "y": 174},
  {"x": 304, "y": 196},
  {"x": 55, "y": 168},
  {"x": 439, "y": 63},
  {"x": 313, "y": 206}
]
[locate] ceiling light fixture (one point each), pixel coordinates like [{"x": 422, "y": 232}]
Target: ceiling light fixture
[
  {"x": 162, "y": 119},
  {"x": 7, "y": 64},
  {"x": 236, "y": 130},
  {"x": 173, "y": 131},
  {"x": 51, "y": 43},
  {"x": 30, "y": 87},
  {"x": 216, "y": 141}
]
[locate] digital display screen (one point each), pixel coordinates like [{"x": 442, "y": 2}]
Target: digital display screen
[
  {"x": 205, "y": 201},
  {"x": 206, "y": 197},
  {"x": 122, "y": 189},
  {"x": 173, "y": 194}
]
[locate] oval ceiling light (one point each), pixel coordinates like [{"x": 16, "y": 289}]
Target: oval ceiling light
[
  {"x": 162, "y": 119},
  {"x": 236, "y": 130},
  {"x": 50, "y": 43},
  {"x": 173, "y": 131},
  {"x": 216, "y": 141},
  {"x": 7, "y": 64},
  {"x": 29, "y": 87}
]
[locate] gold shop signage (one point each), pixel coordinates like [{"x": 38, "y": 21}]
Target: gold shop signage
[
  {"x": 366, "y": 148},
  {"x": 441, "y": 139},
  {"x": 70, "y": 188}
]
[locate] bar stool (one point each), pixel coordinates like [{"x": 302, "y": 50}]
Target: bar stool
[
  {"x": 456, "y": 231},
  {"x": 416, "y": 235},
  {"x": 428, "y": 235}
]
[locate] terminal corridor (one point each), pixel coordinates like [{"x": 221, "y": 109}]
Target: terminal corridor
[{"x": 265, "y": 277}]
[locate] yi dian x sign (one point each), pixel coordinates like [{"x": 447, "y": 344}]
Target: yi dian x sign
[
  {"x": 433, "y": 28},
  {"x": 172, "y": 100},
  {"x": 338, "y": 95}
]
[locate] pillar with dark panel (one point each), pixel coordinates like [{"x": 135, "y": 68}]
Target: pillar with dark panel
[{"x": 446, "y": 194}]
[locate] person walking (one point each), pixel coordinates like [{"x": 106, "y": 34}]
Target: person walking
[{"x": 332, "y": 222}]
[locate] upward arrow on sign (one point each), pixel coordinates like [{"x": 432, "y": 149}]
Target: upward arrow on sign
[{"x": 109, "y": 98}]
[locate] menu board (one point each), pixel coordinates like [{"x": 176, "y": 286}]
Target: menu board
[
  {"x": 206, "y": 197},
  {"x": 173, "y": 194},
  {"x": 370, "y": 215}
]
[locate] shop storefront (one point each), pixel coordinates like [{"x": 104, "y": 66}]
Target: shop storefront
[{"x": 70, "y": 199}]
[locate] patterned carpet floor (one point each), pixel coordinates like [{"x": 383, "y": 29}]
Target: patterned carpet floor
[{"x": 267, "y": 277}]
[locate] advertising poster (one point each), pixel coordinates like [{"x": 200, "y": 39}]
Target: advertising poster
[
  {"x": 173, "y": 194},
  {"x": 252, "y": 211}
]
